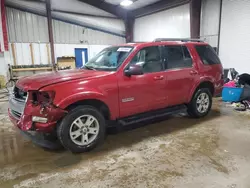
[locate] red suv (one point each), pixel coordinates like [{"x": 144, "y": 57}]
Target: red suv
[{"x": 123, "y": 84}]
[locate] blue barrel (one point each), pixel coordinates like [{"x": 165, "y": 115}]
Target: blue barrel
[{"x": 231, "y": 94}]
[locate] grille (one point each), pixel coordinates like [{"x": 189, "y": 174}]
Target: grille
[
  {"x": 16, "y": 114},
  {"x": 19, "y": 94}
]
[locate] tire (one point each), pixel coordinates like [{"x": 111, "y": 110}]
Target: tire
[
  {"x": 74, "y": 130},
  {"x": 199, "y": 107}
]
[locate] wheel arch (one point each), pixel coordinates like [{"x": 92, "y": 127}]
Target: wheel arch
[
  {"x": 204, "y": 84},
  {"x": 98, "y": 104}
]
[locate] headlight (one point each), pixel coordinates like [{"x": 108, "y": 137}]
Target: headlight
[{"x": 43, "y": 97}]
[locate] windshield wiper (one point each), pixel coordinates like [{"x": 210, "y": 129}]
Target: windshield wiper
[{"x": 89, "y": 67}]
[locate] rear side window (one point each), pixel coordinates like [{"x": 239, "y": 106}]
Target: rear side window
[
  {"x": 207, "y": 54},
  {"x": 177, "y": 57}
]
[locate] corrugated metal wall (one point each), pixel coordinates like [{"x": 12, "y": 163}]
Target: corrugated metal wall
[
  {"x": 172, "y": 23},
  {"x": 210, "y": 13},
  {"x": 24, "y": 27},
  {"x": 112, "y": 24}
]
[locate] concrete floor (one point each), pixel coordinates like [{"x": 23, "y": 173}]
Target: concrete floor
[{"x": 177, "y": 152}]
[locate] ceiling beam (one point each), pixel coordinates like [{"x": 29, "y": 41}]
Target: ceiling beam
[
  {"x": 110, "y": 8},
  {"x": 82, "y": 14},
  {"x": 157, "y": 7}
]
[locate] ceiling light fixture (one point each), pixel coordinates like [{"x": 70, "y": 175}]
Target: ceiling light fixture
[{"x": 126, "y": 3}]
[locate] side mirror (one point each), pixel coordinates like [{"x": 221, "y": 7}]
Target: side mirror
[{"x": 134, "y": 70}]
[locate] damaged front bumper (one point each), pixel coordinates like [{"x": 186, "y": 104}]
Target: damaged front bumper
[
  {"x": 42, "y": 139},
  {"x": 24, "y": 115},
  {"x": 43, "y": 134}
]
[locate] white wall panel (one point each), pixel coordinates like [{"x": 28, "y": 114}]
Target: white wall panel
[
  {"x": 170, "y": 23},
  {"x": 235, "y": 35},
  {"x": 36, "y": 53},
  {"x": 19, "y": 55},
  {"x": 210, "y": 15},
  {"x": 40, "y": 53}
]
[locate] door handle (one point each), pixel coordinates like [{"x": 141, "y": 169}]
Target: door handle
[
  {"x": 158, "y": 77},
  {"x": 193, "y": 72}
]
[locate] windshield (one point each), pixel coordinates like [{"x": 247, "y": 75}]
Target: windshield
[{"x": 109, "y": 59}]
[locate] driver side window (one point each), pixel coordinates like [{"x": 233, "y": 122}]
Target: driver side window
[{"x": 149, "y": 58}]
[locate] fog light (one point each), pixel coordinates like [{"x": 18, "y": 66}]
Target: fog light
[{"x": 39, "y": 119}]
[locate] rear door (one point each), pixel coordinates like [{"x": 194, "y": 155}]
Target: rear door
[
  {"x": 180, "y": 73},
  {"x": 211, "y": 65}
]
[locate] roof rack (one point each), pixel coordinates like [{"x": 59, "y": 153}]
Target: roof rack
[
  {"x": 178, "y": 39},
  {"x": 136, "y": 42}
]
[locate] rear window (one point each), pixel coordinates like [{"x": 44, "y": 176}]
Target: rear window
[{"x": 207, "y": 55}]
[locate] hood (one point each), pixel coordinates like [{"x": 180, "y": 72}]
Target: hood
[{"x": 38, "y": 81}]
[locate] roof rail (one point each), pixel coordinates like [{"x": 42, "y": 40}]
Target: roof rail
[
  {"x": 177, "y": 39},
  {"x": 136, "y": 42}
]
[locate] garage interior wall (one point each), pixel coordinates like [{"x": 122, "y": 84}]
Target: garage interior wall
[
  {"x": 210, "y": 15},
  {"x": 80, "y": 9},
  {"x": 171, "y": 23},
  {"x": 26, "y": 28},
  {"x": 235, "y": 35}
]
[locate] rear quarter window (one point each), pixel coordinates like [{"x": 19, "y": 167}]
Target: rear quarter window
[{"x": 207, "y": 55}]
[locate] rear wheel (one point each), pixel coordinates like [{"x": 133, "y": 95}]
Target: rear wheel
[
  {"x": 82, "y": 129},
  {"x": 201, "y": 103}
]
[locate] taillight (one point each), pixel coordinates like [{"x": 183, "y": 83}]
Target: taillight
[{"x": 43, "y": 97}]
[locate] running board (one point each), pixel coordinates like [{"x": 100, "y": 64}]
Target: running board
[{"x": 152, "y": 114}]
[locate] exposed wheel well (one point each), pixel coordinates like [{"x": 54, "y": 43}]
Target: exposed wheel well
[
  {"x": 208, "y": 85},
  {"x": 101, "y": 106}
]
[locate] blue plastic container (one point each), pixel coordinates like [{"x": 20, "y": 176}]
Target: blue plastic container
[{"x": 231, "y": 94}]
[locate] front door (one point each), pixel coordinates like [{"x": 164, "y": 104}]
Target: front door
[
  {"x": 81, "y": 55},
  {"x": 141, "y": 93},
  {"x": 180, "y": 73}
]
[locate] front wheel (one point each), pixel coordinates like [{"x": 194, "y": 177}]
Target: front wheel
[
  {"x": 82, "y": 129},
  {"x": 201, "y": 103}
]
